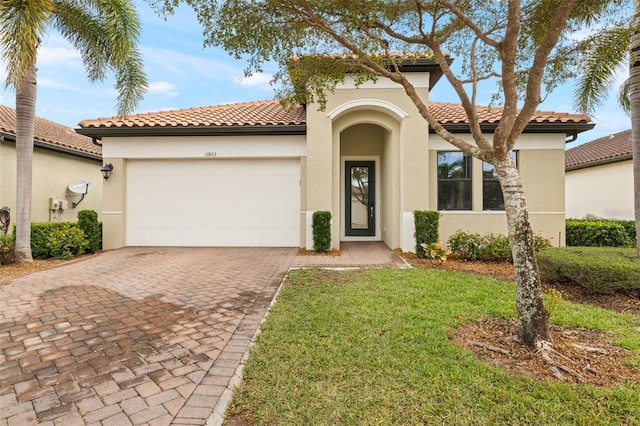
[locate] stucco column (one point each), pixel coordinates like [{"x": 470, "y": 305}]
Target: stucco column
[
  {"x": 114, "y": 224},
  {"x": 319, "y": 173}
]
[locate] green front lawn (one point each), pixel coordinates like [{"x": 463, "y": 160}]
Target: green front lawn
[{"x": 371, "y": 347}]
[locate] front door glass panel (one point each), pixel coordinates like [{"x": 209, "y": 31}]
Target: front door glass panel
[{"x": 360, "y": 198}]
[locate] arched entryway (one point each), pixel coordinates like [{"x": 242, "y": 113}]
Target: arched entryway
[{"x": 368, "y": 146}]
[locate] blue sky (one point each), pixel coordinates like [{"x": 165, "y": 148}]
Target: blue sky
[{"x": 183, "y": 74}]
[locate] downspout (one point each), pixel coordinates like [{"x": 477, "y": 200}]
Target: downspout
[
  {"x": 573, "y": 137},
  {"x": 95, "y": 141}
]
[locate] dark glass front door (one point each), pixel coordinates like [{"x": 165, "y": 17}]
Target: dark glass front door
[{"x": 360, "y": 208}]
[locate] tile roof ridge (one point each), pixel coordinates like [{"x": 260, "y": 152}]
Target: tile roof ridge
[
  {"x": 190, "y": 109},
  {"x": 618, "y": 136},
  {"x": 536, "y": 114}
]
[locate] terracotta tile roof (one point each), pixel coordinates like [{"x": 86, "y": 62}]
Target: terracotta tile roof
[
  {"x": 261, "y": 113},
  {"x": 271, "y": 113},
  {"x": 448, "y": 113},
  {"x": 615, "y": 147},
  {"x": 50, "y": 132}
]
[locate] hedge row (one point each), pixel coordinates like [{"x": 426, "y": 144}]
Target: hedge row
[
  {"x": 488, "y": 247},
  {"x": 600, "y": 233},
  {"x": 598, "y": 269},
  {"x": 61, "y": 239}
]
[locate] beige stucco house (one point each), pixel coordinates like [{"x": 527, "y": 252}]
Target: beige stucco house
[
  {"x": 253, "y": 174},
  {"x": 61, "y": 157},
  {"x": 599, "y": 178}
]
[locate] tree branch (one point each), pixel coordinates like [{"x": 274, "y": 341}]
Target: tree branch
[
  {"x": 470, "y": 24},
  {"x": 532, "y": 97}
]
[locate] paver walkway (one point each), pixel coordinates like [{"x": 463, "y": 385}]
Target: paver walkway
[
  {"x": 132, "y": 336},
  {"x": 354, "y": 254}
]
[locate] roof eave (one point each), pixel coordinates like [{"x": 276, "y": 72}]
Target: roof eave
[
  {"x": 604, "y": 161},
  {"x": 424, "y": 65},
  {"x": 50, "y": 146},
  {"x": 275, "y": 130},
  {"x": 566, "y": 128}
]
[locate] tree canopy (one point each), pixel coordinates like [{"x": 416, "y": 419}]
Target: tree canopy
[{"x": 528, "y": 47}]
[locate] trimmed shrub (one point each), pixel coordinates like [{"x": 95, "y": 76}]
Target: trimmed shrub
[
  {"x": 495, "y": 247},
  {"x": 466, "y": 246},
  {"x": 66, "y": 241},
  {"x": 488, "y": 247},
  {"x": 88, "y": 222},
  {"x": 629, "y": 227},
  {"x": 426, "y": 223},
  {"x": 44, "y": 245},
  {"x": 40, "y": 238},
  {"x": 321, "y": 225},
  {"x": 7, "y": 246},
  {"x": 596, "y": 233},
  {"x": 597, "y": 269}
]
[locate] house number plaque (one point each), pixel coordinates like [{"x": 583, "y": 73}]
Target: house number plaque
[{"x": 210, "y": 154}]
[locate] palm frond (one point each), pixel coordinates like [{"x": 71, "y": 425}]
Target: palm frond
[
  {"x": 604, "y": 54},
  {"x": 106, "y": 35},
  {"x": 623, "y": 96},
  {"x": 23, "y": 24}
]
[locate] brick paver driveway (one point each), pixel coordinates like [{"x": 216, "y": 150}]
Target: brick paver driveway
[{"x": 132, "y": 336}]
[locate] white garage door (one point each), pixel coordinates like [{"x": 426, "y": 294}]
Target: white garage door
[{"x": 213, "y": 203}]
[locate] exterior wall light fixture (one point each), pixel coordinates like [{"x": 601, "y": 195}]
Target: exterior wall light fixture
[{"x": 106, "y": 171}]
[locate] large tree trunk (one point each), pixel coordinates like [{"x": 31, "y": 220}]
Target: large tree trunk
[
  {"x": 533, "y": 318},
  {"x": 25, "y": 117},
  {"x": 634, "y": 97}
]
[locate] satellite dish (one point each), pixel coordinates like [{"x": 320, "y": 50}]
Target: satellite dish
[{"x": 81, "y": 187}]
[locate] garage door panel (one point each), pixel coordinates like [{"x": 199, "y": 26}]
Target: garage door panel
[{"x": 213, "y": 203}]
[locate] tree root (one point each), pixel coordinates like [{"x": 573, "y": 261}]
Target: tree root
[
  {"x": 590, "y": 369},
  {"x": 590, "y": 349},
  {"x": 489, "y": 347},
  {"x": 552, "y": 358},
  {"x": 545, "y": 349}
]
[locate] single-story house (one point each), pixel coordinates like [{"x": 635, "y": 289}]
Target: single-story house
[
  {"x": 61, "y": 158},
  {"x": 599, "y": 178},
  {"x": 253, "y": 174}
]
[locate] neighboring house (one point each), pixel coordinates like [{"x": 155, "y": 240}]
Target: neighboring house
[
  {"x": 61, "y": 157},
  {"x": 599, "y": 178},
  {"x": 253, "y": 174}
]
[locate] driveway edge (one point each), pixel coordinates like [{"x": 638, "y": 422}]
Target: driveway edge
[{"x": 218, "y": 417}]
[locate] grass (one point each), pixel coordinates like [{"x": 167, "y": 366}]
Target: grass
[{"x": 371, "y": 348}]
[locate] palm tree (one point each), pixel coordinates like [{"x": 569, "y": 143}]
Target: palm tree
[
  {"x": 605, "y": 53},
  {"x": 106, "y": 35}
]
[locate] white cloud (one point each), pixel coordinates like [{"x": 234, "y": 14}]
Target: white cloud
[
  {"x": 55, "y": 84},
  {"x": 162, "y": 88},
  {"x": 55, "y": 50},
  {"x": 180, "y": 64},
  {"x": 258, "y": 81},
  {"x": 58, "y": 55}
]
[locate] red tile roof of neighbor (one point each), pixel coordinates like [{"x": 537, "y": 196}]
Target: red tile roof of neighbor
[
  {"x": 271, "y": 113},
  {"x": 51, "y": 133},
  {"x": 608, "y": 149}
]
